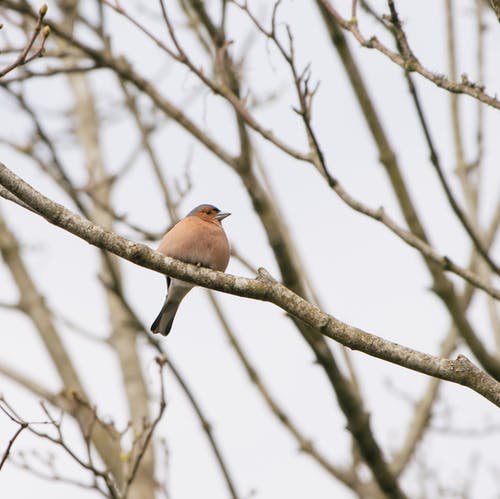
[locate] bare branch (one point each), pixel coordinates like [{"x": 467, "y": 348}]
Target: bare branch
[
  {"x": 416, "y": 236},
  {"x": 442, "y": 286},
  {"x": 52, "y": 475},
  {"x": 221, "y": 68},
  {"x": 22, "y": 426},
  {"x": 10, "y": 197},
  {"x": 28, "y": 74},
  {"x": 145, "y": 438},
  {"x": 495, "y": 5},
  {"x": 411, "y": 63},
  {"x": 59, "y": 440},
  {"x": 461, "y": 370},
  {"x": 36, "y": 308},
  {"x": 434, "y": 157},
  {"x": 305, "y": 445},
  {"x": 23, "y": 57},
  {"x": 221, "y": 89},
  {"x": 205, "y": 424}
]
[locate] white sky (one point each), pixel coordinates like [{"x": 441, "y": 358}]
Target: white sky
[{"x": 363, "y": 274}]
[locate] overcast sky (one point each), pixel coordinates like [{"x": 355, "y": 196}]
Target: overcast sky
[{"x": 361, "y": 272}]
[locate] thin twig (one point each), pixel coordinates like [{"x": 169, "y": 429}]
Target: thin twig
[
  {"x": 305, "y": 94},
  {"x": 60, "y": 441},
  {"x": 221, "y": 89},
  {"x": 466, "y": 87},
  {"x": 53, "y": 476},
  {"x": 23, "y": 57},
  {"x": 28, "y": 74},
  {"x": 22, "y": 426},
  {"x": 145, "y": 439}
]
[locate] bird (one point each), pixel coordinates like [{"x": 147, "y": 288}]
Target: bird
[{"x": 199, "y": 239}]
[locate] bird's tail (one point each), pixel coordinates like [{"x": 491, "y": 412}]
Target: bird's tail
[{"x": 163, "y": 323}]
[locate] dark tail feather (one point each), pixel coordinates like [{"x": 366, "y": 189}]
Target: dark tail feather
[
  {"x": 163, "y": 323},
  {"x": 177, "y": 290}
]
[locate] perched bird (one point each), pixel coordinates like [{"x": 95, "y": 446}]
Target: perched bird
[{"x": 198, "y": 239}]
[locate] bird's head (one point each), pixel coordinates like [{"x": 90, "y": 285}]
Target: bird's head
[{"x": 209, "y": 213}]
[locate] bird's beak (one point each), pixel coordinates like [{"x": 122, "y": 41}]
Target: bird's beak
[{"x": 221, "y": 216}]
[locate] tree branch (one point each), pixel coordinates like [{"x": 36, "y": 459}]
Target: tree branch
[
  {"x": 23, "y": 58},
  {"x": 305, "y": 445},
  {"x": 411, "y": 63},
  {"x": 442, "y": 286},
  {"x": 22, "y": 426},
  {"x": 434, "y": 156},
  {"x": 461, "y": 370}
]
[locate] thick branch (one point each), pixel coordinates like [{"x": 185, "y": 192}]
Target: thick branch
[
  {"x": 442, "y": 285},
  {"x": 461, "y": 370}
]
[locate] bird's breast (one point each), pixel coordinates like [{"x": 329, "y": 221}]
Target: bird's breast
[{"x": 195, "y": 241}]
